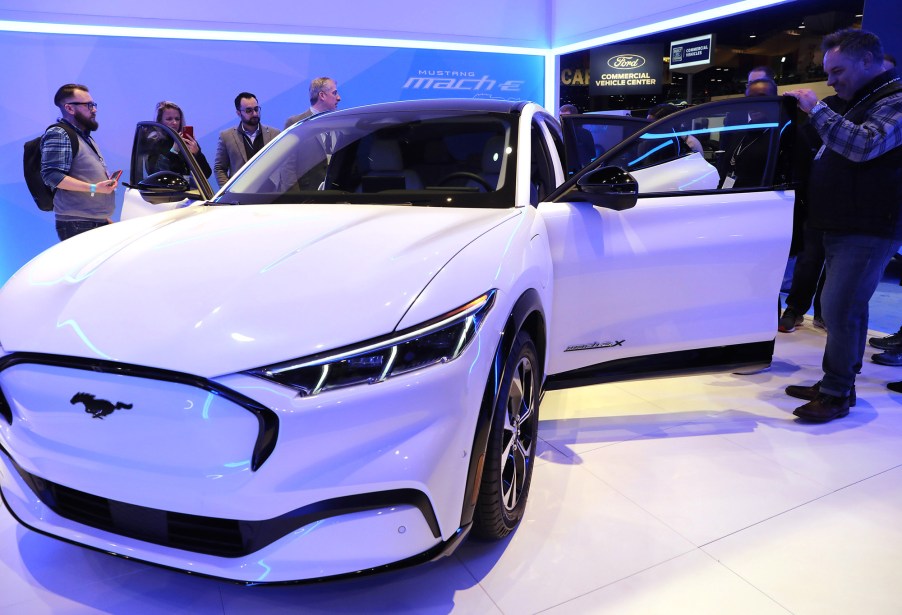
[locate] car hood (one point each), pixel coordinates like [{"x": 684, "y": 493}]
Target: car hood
[{"x": 215, "y": 290}]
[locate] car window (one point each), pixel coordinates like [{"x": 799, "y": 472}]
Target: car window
[
  {"x": 542, "y": 177},
  {"x": 729, "y": 145},
  {"x": 589, "y": 136},
  {"x": 437, "y": 158},
  {"x": 158, "y": 151},
  {"x": 719, "y": 146}
]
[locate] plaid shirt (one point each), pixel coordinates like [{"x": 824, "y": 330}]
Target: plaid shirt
[
  {"x": 56, "y": 153},
  {"x": 878, "y": 134}
]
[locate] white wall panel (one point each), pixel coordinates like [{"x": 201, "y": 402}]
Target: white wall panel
[{"x": 521, "y": 23}]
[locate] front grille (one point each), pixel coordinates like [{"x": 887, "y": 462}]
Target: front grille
[{"x": 209, "y": 535}]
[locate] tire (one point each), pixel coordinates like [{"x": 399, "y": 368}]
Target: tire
[{"x": 510, "y": 452}]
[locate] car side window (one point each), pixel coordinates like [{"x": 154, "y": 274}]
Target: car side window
[
  {"x": 716, "y": 147},
  {"x": 541, "y": 175},
  {"x": 589, "y": 136}
]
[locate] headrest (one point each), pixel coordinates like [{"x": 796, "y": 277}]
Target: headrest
[
  {"x": 385, "y": 155},
  {"x": 493, "y": 154}
]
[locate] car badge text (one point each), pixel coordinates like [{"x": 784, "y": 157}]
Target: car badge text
[{"x": 594, "y": 345}]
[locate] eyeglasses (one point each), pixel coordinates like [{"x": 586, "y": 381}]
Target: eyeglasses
[
  {"x": 252, "y": 109},
  {"x": 89, "y": 105}
]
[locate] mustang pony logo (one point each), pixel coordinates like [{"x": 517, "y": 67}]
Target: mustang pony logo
[{"x": 98, "y": 408}]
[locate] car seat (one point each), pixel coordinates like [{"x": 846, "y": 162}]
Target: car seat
[{"x": 384, "y": 169}]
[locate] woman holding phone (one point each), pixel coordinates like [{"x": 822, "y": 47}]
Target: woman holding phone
[{"x": 167, "y": 156}]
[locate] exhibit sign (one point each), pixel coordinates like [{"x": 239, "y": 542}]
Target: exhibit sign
[
  {"x": 626, "y": 69},
  {"x": 694, "y": 54}
]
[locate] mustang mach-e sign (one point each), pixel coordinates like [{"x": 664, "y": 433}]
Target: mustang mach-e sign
[{"x": 626, "y": 69}]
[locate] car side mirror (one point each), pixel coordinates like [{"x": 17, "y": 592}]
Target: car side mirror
[
  {"x": 163, "y": 183},
  {"x": 610, "y": 187}
]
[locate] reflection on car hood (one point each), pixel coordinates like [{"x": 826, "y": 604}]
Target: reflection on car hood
[{"x": 213, "y": 290}]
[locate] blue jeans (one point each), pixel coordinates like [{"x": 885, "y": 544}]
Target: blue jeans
[
  {"x": 854, "y": 265},
  {"x": 70, "y": 228}
]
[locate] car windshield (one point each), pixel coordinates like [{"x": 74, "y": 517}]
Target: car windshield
[{"x": 434, "y": 158}]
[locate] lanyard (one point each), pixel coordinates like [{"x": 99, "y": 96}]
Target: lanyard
[
  {"x": 739, "y": 148},
  {"x": 869, "y": 94}
]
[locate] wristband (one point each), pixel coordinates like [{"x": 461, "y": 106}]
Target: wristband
[
  {"x": 817, "y": 107},
  {"x": 93, "y": 189}
]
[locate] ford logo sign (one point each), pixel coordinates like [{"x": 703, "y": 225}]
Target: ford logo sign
[{"x": 626, "y": 61}]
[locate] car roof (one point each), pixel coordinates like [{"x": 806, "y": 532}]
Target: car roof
[{"x": 489, "y": 105}]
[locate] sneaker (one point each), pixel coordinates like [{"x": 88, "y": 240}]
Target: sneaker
[
  {"x": 889, "y": 342},
  {"x": 810, "y": 393},
  {"x": 823, "y": 408},
  {"x": 789, "y": 320},
  {"x": 890, "y": 357},
  {"x": 895, "y": 387},
  {"x": 819, "y": 323}
]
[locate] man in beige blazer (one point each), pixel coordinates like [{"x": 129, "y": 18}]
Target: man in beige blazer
[{"x": 237, "y": 145}]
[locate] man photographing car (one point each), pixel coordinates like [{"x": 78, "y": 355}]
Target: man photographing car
[
  {"x": 84, "y": 191},
  {"x": 855, "y": 197}
]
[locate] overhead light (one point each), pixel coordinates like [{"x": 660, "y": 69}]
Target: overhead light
[
  {"x": 783, "y": 59},
  {"x": 691, "y": 19},
  {"x": 256, "y": 37},
  {"x": 753, "y": 36}
]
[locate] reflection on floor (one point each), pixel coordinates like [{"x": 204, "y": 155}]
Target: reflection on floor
[{"x": 678, "y": 495}]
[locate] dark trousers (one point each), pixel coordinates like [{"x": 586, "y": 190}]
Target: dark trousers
[
  {"x": 70, "y": 228},
  {"x": 854, "y": 265},
  {"x": 807, "y": 275}
]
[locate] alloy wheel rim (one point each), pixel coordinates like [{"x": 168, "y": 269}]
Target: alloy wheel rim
[{"x": 516, "y": 454}]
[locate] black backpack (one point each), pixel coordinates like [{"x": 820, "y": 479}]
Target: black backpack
[{"x": 31, "y": 163}]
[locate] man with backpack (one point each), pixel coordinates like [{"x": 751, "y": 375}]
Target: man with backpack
[{"x": 71, "y": 163}]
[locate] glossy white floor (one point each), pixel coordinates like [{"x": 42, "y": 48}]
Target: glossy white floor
[{"x": 678, "y": 495}]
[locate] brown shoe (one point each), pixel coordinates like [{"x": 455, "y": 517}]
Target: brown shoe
[
  {"x": 809, "y": 393},
  {"x": 823, "y": 408}
]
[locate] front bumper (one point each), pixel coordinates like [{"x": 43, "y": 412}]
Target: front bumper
[{"x": 358, "y": 479}]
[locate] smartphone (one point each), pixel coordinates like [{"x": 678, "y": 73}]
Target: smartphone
[
  {"x": 188, "y": 131},
  {"x": 116, "y": 175}
]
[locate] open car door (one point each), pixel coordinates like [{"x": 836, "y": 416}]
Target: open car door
[
  {"x": 662, "y": 247},
  {"x": 164, "y": 175}
]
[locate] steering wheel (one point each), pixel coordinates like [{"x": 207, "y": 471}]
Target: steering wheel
[{"x": 466, "y": 174}]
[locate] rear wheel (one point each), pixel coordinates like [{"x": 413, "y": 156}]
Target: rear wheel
[{"x": 512, "y": 444}]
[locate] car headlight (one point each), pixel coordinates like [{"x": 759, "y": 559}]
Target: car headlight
[{"x": 436, "y": 341}]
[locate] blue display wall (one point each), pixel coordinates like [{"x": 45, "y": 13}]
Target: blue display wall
[{"x": 128, "y": 76}]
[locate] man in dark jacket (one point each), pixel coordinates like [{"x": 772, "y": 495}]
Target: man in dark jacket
[{"x": 855, "y": 195}]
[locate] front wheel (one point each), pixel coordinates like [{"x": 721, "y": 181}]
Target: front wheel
[{"x": 512, "y": 444}]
